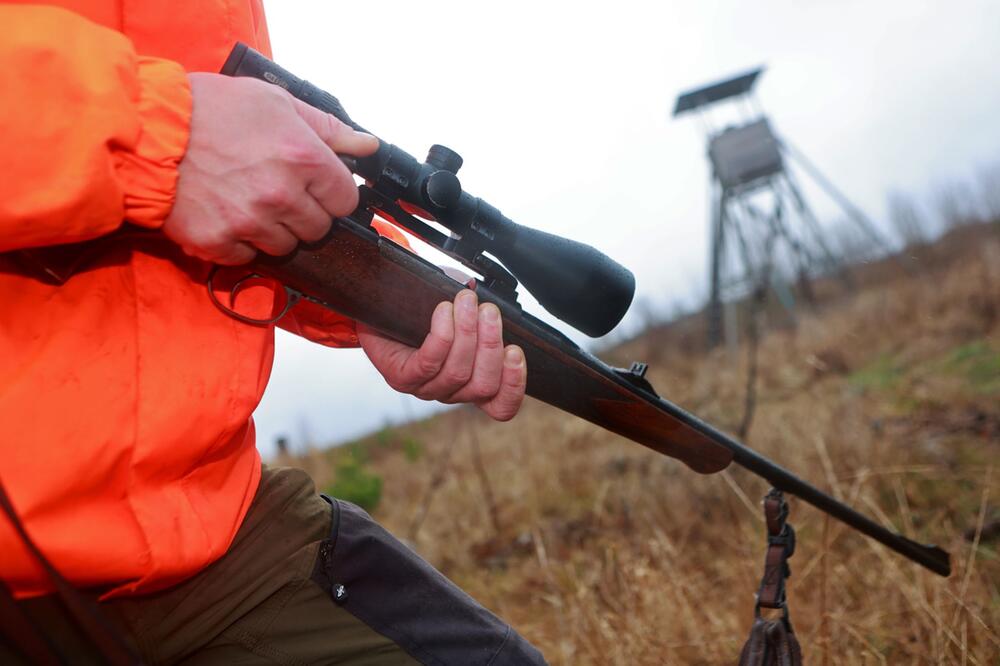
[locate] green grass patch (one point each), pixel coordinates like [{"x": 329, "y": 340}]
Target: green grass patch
[
  {"x": 354, "y": 483},
  {"x": 412, "y": 449},
  {"x": 385, "y": 437},
  {"x": 881, "y": 374},
  {"x": 977, "y": 363}
]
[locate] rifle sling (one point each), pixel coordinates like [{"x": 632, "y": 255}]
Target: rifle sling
[
  {"x": 780, "y": 546},
  {"x": 773, "y": 642},
  {"x": 84, "y": 612},
  {"x": 23, "y": 633}
]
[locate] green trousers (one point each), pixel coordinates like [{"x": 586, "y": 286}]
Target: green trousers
[{"x": 307, "y": 580}]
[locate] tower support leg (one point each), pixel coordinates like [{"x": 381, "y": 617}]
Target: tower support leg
[{"x": 717, "y": 249}]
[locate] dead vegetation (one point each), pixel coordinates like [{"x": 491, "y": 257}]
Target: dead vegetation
[{"x": 602, "y": 552}]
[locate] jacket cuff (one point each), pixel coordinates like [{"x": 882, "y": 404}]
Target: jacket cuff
[
  {"x": 148, "y": 172},
  {"x": 317, "y": 324}
]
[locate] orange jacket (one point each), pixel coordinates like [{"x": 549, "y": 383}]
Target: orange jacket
[{"x": 125, "y": 395}]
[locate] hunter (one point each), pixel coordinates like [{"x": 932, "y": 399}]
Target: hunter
[{"x": 128, "y": 453}]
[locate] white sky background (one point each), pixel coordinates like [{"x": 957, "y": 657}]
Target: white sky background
[{"x": 562, "y": 113}]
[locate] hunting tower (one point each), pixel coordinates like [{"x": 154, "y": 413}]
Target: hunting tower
[{"x": 764, "y": 235}]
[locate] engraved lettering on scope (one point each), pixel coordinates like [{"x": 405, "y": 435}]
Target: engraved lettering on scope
[{"x": 276, "y": 80}]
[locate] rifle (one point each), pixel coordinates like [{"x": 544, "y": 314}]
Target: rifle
[{"x": 370, "y": 279}]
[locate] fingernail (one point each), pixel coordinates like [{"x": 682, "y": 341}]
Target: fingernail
[
  {"x": 443, "y": 309},
  {"x": 467, "y": 301},
  {"x": 513, "y": 357},
  {"x": 489, "y": 313}
]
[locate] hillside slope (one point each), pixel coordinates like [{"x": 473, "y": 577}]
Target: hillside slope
[{"x": 602, "y": 552}]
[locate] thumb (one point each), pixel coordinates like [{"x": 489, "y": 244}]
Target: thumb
[{"x": 339, "y": 137}]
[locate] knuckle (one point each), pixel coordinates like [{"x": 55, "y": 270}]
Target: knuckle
[
  {"x": 424, "y": 394},
  {"x": 275, "y": 197},
  {"x": 240, "y": 255},
  {"x": 505, "y": 410},
  {"x": 468, "y": 325},
  {"x": 347, "y": 200},
  {"x": 244, "y": 226},
  {"x": 301, "y": 153},
  {"x": 215, "y": 242},
  {"x": 282, "y": 246},
  {"x": 457, "y": 376},
  {"x": 397, "y": 381},
  {"x": 504, "y": 414},
  {"x": 428, "y": 367},
  {"x": 484, "y": 389},
  {"x": 316, "y": 229},
  {"x": 491, "y": 343}
]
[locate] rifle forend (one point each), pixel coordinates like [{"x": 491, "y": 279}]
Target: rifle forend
[{"x": 368, "y": 278}]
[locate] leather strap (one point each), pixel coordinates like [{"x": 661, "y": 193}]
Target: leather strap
[
  {"x": 773, "y": 642},
  {"x": 55, "y": 264},
  {"x": 84, "y": 611},
  {"x": 23, "y": 634},
  {"x": 780, "y": 546}
]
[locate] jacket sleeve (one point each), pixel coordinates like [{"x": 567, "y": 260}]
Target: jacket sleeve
[
  {"x": 318, "y": 324},
  {"x": 90, "y": 133}
]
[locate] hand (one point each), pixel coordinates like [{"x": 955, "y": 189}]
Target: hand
[
  {"x": 260, "y": 171},
  {"x": 462, "y": 359}
]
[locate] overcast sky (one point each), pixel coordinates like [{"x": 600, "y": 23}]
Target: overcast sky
[{"x": 562, "y": 113}]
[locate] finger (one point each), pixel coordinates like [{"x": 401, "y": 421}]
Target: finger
[
  {"x": 329, "y": 182},
  {"x": 506, "y": 403},
  {"x": 334, "y": 190},
  {"x": 307, "y": 219},
  {"x": 274, "y": 239},
  {"x": 238, "y": 253},
  {"x": 339, "y": 137},
  {"x": 404, "y": 368},
  {"x": 488, "y": 365},
  {"x": 457, "y": 368}
]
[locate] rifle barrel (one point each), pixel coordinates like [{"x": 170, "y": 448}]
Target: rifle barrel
[{"x": 927, "y": 555}]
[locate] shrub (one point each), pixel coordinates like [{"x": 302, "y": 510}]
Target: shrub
[
  {"x": 353, "y": 483},
  {"x": 412, "y": 449}
]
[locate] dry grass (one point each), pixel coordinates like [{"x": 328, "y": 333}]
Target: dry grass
[{"x": 601, "y": 552}]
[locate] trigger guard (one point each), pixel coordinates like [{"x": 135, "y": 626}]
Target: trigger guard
[{"x": 291, "y": 298}]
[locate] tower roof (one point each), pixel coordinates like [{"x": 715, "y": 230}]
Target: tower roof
[{"x": 716, "y": 92}]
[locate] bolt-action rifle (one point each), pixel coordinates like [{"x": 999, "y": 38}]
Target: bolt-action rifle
[{"x": 370, "y": 279}]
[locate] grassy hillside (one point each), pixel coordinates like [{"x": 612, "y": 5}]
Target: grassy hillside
[{"x": 602, "y": 552}]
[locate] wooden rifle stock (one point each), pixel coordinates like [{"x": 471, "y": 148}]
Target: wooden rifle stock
[{"x": 370, "y": 279}]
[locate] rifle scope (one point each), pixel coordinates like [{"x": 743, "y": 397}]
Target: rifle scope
[{"x": 575, "y": 282}]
